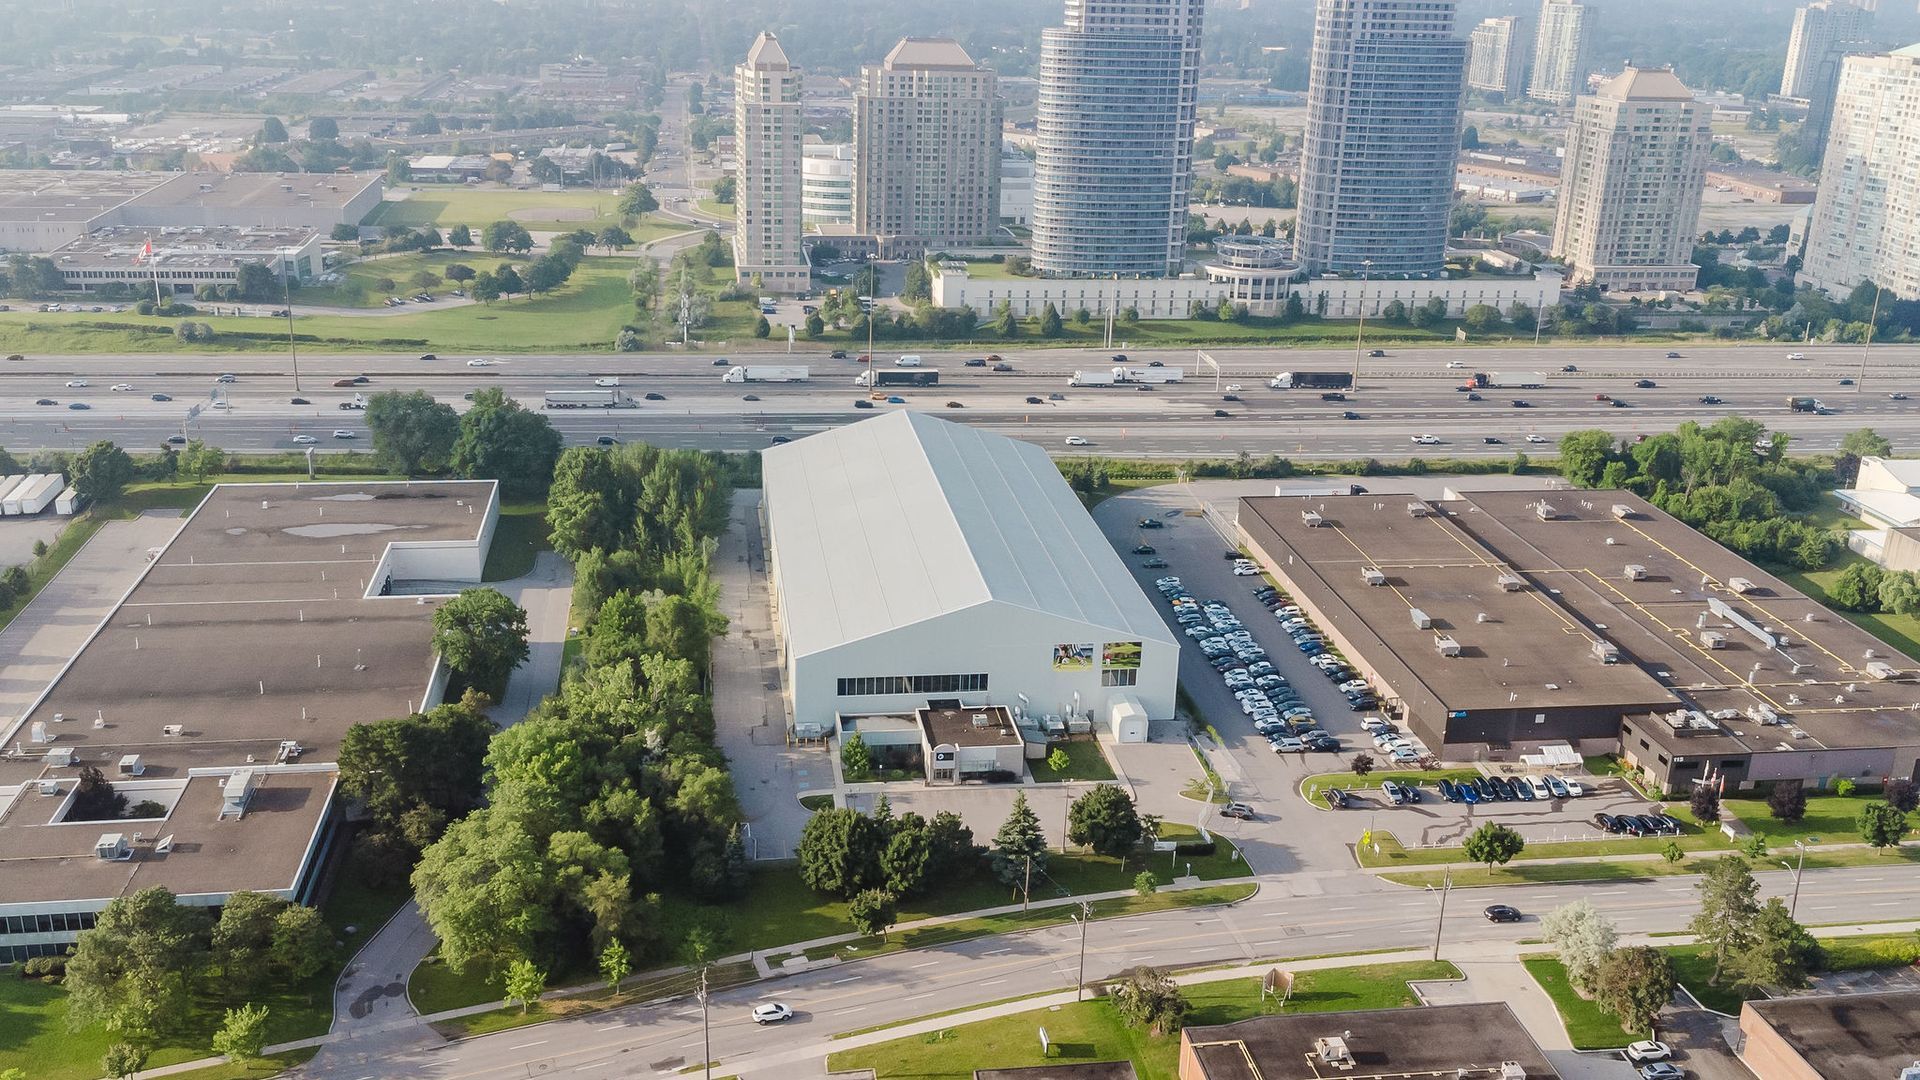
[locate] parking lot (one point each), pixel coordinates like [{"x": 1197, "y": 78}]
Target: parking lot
[{"x": 1434, "y": 822}]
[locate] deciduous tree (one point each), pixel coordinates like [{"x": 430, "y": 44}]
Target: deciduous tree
[
  {"x": 243, "y": 1034},
  {"x": 102, "y": 471},
  {"x": 412, "y": 432},
  {"x": 1634, "y": 984},
  {"x": 1584, "y": 939},
  {"x": 1105, "y": 820},
  {"x": 840, "y": 851},
  {"x": 501, "y": 440},
  {"x": 1150, "y": 1000},
  {"x": 134, "y": 972},
  {"x": 1493, "y": 844},
  {"x": 524, "y": 982},
  {"x": 1882, "y": 825},
  {"x": 873, "y": 911},
  {"x": 482, "y": 635}
]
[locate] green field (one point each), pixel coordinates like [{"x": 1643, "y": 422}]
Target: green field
[
  {"x": 1084, "y": 762},
  {"x": 1829, "y": 817},
  {"x": 1093, "y": 1031},
  {"x": 539, "y": 211},
  {"x": 1589, "y": 1027}
]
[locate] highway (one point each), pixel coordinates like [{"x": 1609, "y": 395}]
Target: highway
[
  {"x": 1293, "y": 915},
  {"x": 1409, "y": 393}
]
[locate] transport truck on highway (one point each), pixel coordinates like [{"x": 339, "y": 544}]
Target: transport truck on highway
[
  {"x": 898, "y": 377},
  {"x": 765, "y": 373},
  {"x": 1312, "y": 380},
  {"x": 1148, "y": 374},
  {"x": 1093, "y": 378},
  {"x": 604, "y": 398},
  {"x": 1507, "y": 380},
  {"x": 1806, "y": 404}
]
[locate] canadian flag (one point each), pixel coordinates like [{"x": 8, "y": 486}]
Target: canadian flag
[{"x": 146, "y": 252}]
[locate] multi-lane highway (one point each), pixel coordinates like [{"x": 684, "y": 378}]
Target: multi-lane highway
[
  {"x": 1298, "y": 915},
  {"x": 1411, "y": 392}
]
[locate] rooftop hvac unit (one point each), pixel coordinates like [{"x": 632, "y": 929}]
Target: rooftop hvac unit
[
  {"x": 112, "y": 847},
  {"x": 1333, "y": 1051},
  {"x": 1421, "y": 620},
  {"x": 1741, "y": 585},
  {"x": 1622, "y": 511},
  {"x": 1446, "y": 645},
  {"x": 38, "y": 733},
  {"x": 131, "y": 765},
  {"x": 1419, "y": 509},
  {"x": 237, "y": 792},
  {"x": 1372, "y": 576},
  {"x": 1510, "y": 583},
  {"x": 1636, "y": 572},
  {"x": 48, "y": 786},
  {"x": 981, "y": 720},
  {"x": 1606, "y": 652},
  {"x": 1880, "y": 669},
  {"x": 1311, "y": 519},
  {"x": 1512, "y": 1070},
  {"x": 1545, "y": 511},
  {"x": 60, "y": 757},
  {"x": 1713, "y": 639},
  {"x": 173, "y": 731}
]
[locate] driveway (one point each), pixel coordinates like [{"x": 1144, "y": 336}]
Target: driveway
[
  {"x": 546, "y": 594},
  {"x": 1701, "y": 1042},
  {"x": 17, "y": 535}
]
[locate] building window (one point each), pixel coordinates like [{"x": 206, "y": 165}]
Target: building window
[
  {"x": 874, "y": 685},
  {"x": 1120, "y": 677}
]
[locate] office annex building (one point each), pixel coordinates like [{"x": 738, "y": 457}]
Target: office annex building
[{"x": 919, "y": 564}]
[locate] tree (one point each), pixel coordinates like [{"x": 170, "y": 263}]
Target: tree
[
  {"x": 918, "y": 283},
  {"x": 1673, "y": 852},
  {"x": 302, "y": 943},
  {"x": 1058, "y": 760},
  {"x": 761, "y": 327},
  {"x": 134, "y": 972},
  {"x": 1145, "y": 883},
  {"x": 815, "y": 325},
  {"x": 1899, "y": 592},
  {"x": 94, "y": 798},
  {"x": 506, "y": 236},
  {"x": 1866, "y": 442},
  {"x": 323, "y": 127},
  {"x": 615, "y": 964},
  {"x": 1150, "y": 1000},
  {"x": 1104, "y": 819},
  {"x": 101, "y": 471},
  {"x": 1362, "y": 764},
  {"x": 430, "y": 763},
  {"x": 1493, "y": 843},
  {"x": 482, "y": 636},
  {"x": 1481, "y": 318},
  {"x": 873, "y": 911},
  {"x": 524, "y": 982},
  {"x": 242, "y": 936},
  {"x": 614, "y": 238},
  {"x": 501, "y": 440},
  {"x": 272, "y": 131},
  {"x": 1049, "y": 321},
  {"x": 1900, "y": 792},
  {"x": 1724, "y": 922},
  {"x": 951, "y": 854},
  {"x": 459, "y": 236},
  {"x": 122, "y": 1059},
  {"x": 1882, "y": 825},
  {"x": 636, "y": 202},
  {"x": 840, "y": 852},
  {"x": 243, "y": 1034},
  {"x": 1020, "y": 847},
  {"x": 856, "y": 761},
  {"x": 908, "y": 855},
  {"x": 1584, "y": 939},
  {"x": 1634, "y": 984},
  {"x": 1779, "y": 953},
  {"x": 724, "y": 188},
  {"x": 1857, "y": 588},
  {"x": 412, "y": 433},
  {"x": 1705, "y": 803}
]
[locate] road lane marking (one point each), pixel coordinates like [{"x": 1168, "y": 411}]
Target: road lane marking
[
  {"x": 993, "y": 982},
  {"x": 848, "y": 979},
  {"x": 929, "y": 963},
  {"x": 855, "y": 1009},
  {"x": 917, "y": 997},
  {"x": 523, "y": 1046},
  {"x": 996, "y": 952}
]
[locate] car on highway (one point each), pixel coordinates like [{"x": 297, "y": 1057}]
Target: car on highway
[
  {"x": 749, "y": 397},
  {"x": 78, "y": 405},
  {"x": 1333, "y": 395},
  {"x": 1033, "y": 399},
  {"x": 428, "y": 356},
  {"x": 863, "y": 403},
  {"x": 606, "y": 440},
  {"x": 1003, "y": 366},
  {"x": 120, "y": 387},
  {"x": 1673, "y": 355},
  {"x": 909, "y": 360},
  {"x": 304, "y": 440},
  {"x": 1377, "y": 353},
  {"x": 1078, "y": 440},
  {"x": 1491, "y": 440},
  {"x": 1569, "y": 368},
  {"x": 1710, "y": 399},
  {"x": 896, "y": 399},
  {"x": 1846, "y": 382},
  {"x": 75, "y": 384},
  {"x": 780, "y": 440},
  {"x": 1522, "y": 403},
  {"x": 1796, "y": 356},
  {"x": 955, "y": 405},
  {"x": 159, "y": 397},
  {"x": 1426, "y": 440},
  {"x": 1471, "y": 396},
  {"x": 655, "y": 395},
  {"x": 1536, "y": 438},
  {"x": 1221, "y": 413},
  {"x": 1234, "y": 388},
  {"x": 771, "y": 1012},
  {"x": 1351, "y": 415},
  {"x": 1503, "y": 913},
  {"x": 1056, "y": 396},
  {"x": 1896, "y": 396},
  {"x": 343, "y": 433},
  {"x": 1229, "y": 397},
  {"x": 974, "y": 361},
  {"x": 606, "y": 380},
  {"x": 1647, "y": 1050},
  {"x": 718, "y": 361},
  {"x": 1454, "y": 364},
  {"x": 481, "y": 361},
  {"x": 176, "y": 440},
  {"x": 349, "y": 383},
  {"x": 837, "y": 354},
  {"x": 46, "y": 401},
  {"x": 1645, "y": 384}
]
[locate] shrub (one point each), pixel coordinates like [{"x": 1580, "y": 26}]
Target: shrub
[{"x": 1195, "y": 847}]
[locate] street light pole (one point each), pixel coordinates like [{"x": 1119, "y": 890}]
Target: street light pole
[
  {"x": 1859, "y": 384},
  {"x": 286, "y": 295},
  {"x": 1366, "y": 272},
  {"x": 1800, "y": 865},
  {"x": 706, "y": 1029},
  {"x": 1438, "y": 923},
  {"x": 1080, "y": 981}
]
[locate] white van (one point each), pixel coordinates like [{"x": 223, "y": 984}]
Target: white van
[{"x": 910, "y": 360}]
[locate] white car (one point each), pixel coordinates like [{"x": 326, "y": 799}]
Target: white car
[
  {"x": 304, "y": 440},
  {"x": 1072, "y": 440},
  {"x": 1648, "y": 1050},
  {"x": 606, "y": 380},
  {"x": 480, "y": 361},
  {"x": 75, "y": 384},
  {"x": 1246, "y": 571},
  {"x": 1426, "y": 440},
  {"x": 771, "y": 1012},
  {"x": 1575, "y": 789},
  {"x": 1233, "y": 388},
  {"x": 1456, "y": 364},
  {"x": 1536, "y": 438},
  {"x": 1796, "y": 356},
  {"x": 909, "y": 360},
  {"x": 343, "y": 433},
  {"x": 120, "y": 387}
]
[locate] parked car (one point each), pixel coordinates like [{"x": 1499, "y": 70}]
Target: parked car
[
  {"x": 1647, "y": 1050},
  {"x": 1394, "y": 793},
  {"x": 1337, "y": 798},
  {"x": 1662, "y": 1070}
]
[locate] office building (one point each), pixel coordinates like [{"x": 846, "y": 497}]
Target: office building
[
  {"x": 1824, "y": 33},
  {"x": 1560, "y": 52},
  {"x": 926, "y": 137},
  {"x": 826, "y": 182},
  {"x": 1462, "y": 1042},
  {"x": 1630, "y": 186},
  {"x": 920, "y": 564},
  {"x": 1119, "y": 84},
  {"x": 1866, "y": 213},
  {"x": 1832, "y": 1036},
  {"x": 1384, "y": 100},
  {"x": 1502, "y": 47},
  {"x": 767, "y": 129}
]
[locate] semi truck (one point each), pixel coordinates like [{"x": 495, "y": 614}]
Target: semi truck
[
  {"x": 765, "y": 373},
  {"x": 1806, "y": 404},
  {"x": 1508, "y": 380},
  {"x": 1312, "y": 380},
  {"x": 1125, "y": 376},
  {"x": 605, "y": 398},
  {"x": 898, "y": 377}
]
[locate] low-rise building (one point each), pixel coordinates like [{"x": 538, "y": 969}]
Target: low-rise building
[
  {"x": 1762, "y": 185},
  {"x": 1832, "y": 1036},
  {"x": 1462, "y": 1042},
  {"x": 183, "y": 260}
]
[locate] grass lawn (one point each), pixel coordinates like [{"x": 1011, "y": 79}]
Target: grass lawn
[
  {"x": 713, "y": 207},
  {"x": 269, "y": 1066},
  {"x": 1119, "y": 487},
  {"x": 520, "y": 534},
  {"x": 1900, "y": 631},
  {"x": 633, "y": 991},
  {"x": 1524, "y": 873},
  {"x": 34, "y": 1017},
  {"x": 1093, "y": 1031},
  {"x": 539, "y": 211},
  {"x": 1693, "y": 965},
  {"x": 1084, "y": 762},
  {"x": 1831, "y": 818},
  {"x": 1692, "y": 838},
  {"x": 1589, "y": 1027}
]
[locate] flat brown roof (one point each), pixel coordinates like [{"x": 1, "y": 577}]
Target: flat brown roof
[
  {"x": 1848, "y": 1036},
  {"x": 957, "y": 727},
  {"x": 1470, "y": 1042},
  {"x": 251, "y": 628}
]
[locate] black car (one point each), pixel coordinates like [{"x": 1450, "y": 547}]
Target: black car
[
  {"x": 721, "y": 361},
  {"x": 159, "y": 397},
  {"x": 1349, "y": 415},
  {"x": 1003, "y": 366},
  {"x": 1221, "y": 412},
  {"x": 750, "y": 397},
  {"x": 1570, "y": 368},
  {"x": 1229, "y": 397},
  {"x": 78, "y": 405},
  {"x": 838, "y": 354},
  {"x": 176, "y": 440},
  {"x": 1606, "y": 823},
  {"x": 1492, "y": 440},
  {"x": 606, "y": 440},
  {"x": 1376, "y": 353},
  {"x": 1151, "y": 523},
  {"x": 654, "y": 395},
  {"x": 1710, "y": 399},
  {"x": 1846, "y": 382},
  {"x": 1031, "y": 400},
  {"x": 428, "y": 356},
  {"x": 361, "y": 380},
  {"x": 1144, "y": 549},
  {"x": 1502, "y": 913},
  {"x": 974, "y": 361},
  {"x": 1121, "y": 358},
  {"x": 1522, "y": 790},
  {"x": 46, "y": 401},
  {"x": 1522, "y": 403},
  {"x": 1471, "y": 396},
  {"x": 1337, "y": 798},
  {"x": 779, "y": 439},
  {"x": 863, "y": 403},
  {"x": 1154, "y": 564},
  {"x": 1333, "y": 395},
  {"x": 1645, "y": 384}
]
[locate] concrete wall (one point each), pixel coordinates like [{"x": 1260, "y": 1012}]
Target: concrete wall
[
  {"x": 440, "y": 560},
  {"x": 1012, "y": 645},
  {"x": 1767, "y": 1054}
]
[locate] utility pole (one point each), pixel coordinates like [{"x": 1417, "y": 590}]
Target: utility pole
[
  {"x": 1080, "y": 981},
  {"x": 1445, "y": 887},
  {"x": 286, "y": 295},
  {"x": 1026, "y": 891},
  {"x": 1860, "y": 384},
  {"x": 1366, "y": 271},
  {"x": 706, "y": 1030},
  {"x": 1799, "y": 865}
]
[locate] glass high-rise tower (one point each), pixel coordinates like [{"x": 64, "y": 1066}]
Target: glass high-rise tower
[
  {"x": 1384, "y": 101},
  {"x": 1119, "y": 85}
]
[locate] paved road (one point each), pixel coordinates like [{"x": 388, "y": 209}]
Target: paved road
[
  {"x": 1408, "y": 394},
  {"x": 1295, "y": 915}
]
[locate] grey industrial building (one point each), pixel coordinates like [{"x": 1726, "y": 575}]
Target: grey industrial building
[
  {"x": 1500, "y": 622},
  {"x": 1481, "y": 1041}
]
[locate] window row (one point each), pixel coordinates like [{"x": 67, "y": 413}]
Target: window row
[{"x": 872, "y": 685}]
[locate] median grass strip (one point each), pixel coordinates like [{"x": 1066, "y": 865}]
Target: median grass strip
[
  {"x": 633, "y": 992},
  {"x": 1589, "y": 1027},
  {"x": 1691, "y": 839},
  {"x": 1524, "y": 873},
  {"x": 1093, "y": 1031},
  {"x": 1031, "y": 919}
]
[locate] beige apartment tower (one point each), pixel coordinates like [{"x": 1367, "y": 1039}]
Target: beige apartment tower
[
  {"x": 1630, "y": 187},
  {"x": 1560, "y": 52},
  {"x": 768, "y": 128},
  {"x": 926, "y": 137},
  {"x": 1866, "y": 217}
]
